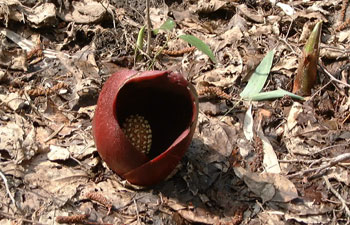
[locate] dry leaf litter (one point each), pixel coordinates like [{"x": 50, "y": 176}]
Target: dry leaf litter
[{"x": 283, "y": 162}]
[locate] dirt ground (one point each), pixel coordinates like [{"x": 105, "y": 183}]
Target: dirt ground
[{"x": 279, "y": 161}]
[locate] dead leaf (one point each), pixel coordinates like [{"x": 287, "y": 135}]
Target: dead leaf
[
  {"x": 248, "y": 124},
  {"x": 270, "y": 161},
  {"x": 11, "y": 135},
  {"x": 14, "y": 59},
  {"x": 250, "y": 13},
  {"x": 209, "y": 6},
  {"x": 80, "y": 151},
  {"x": 287, "y": 65},
  {"x": 58, "y": 153},
  {"x": 268, "y": 186},
  {"x": 293, "y": 115},
  {"x": 158, "y": 16},
  {"x": 340, "y": 174},
  {"x": 86, "y": 11},
  {"x": 42, "y": 15},
  {"x": 216, "y": 135},
  {"x": 11, "y": 9},
  {"x": 270, "y": 218},
  {"x": 59, "y": 181}
]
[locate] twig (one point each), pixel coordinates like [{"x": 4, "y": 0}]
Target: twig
[
  {"x": 289, "y": 28},
  {"x": 136, "y": 11},
  {"x": 233, "y": 107},
  {"x": 7, "y": 188},
  {"x": 329, "y": 147},
  {"x": 144, "y": 53},
  {"x": 346, "y": 118},
  {"x": 343, "y": 202},
  {"x": 332, "y": 77},
  {"x": 158, "y": 53},
  {"x": 21, "y": 219},
  {"x": 336, "y": 49},
  {"x": 110, "y": 12},
  {"x": 148, "y": 28},
  {"x": 311, "y": 161},
  {"x": 286, "y": 42},
  {"x": 137, "y": 212},
  {"x": 319, "y": 90},
  {"x": 332, "y": 162},
  {"x": 54, "y": 134},
  {"x": 33, "y": 107},
  {"x": 335, "y": 160}
]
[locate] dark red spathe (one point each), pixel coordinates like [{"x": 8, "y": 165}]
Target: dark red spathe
[{"x": 167, "y": 100}]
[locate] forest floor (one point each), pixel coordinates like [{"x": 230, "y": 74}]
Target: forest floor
[{"x": 295, "y": 168}]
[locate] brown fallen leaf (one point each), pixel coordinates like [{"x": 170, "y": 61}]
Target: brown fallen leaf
[{"x": 307, "y": 69}]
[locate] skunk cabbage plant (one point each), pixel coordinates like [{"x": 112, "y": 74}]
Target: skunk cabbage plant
[{"x": 144, "y": 123}]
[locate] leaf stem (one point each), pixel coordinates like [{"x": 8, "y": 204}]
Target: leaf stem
[{"x": 148, "y": 51}]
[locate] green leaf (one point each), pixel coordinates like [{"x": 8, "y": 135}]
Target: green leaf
[
  {"x": 140, "y": 37},
  {"x": 169, "y": 24},
  {"x": 273, "y": 94},
  {"x": 139, "y": 43},
  {"x": 200, "y": 45},
  {"x": 313, "y": 42},
  {"x": 259, "y": 77}
]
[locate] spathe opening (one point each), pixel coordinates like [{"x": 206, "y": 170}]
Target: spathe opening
[{"x": 167, "y": 106}]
